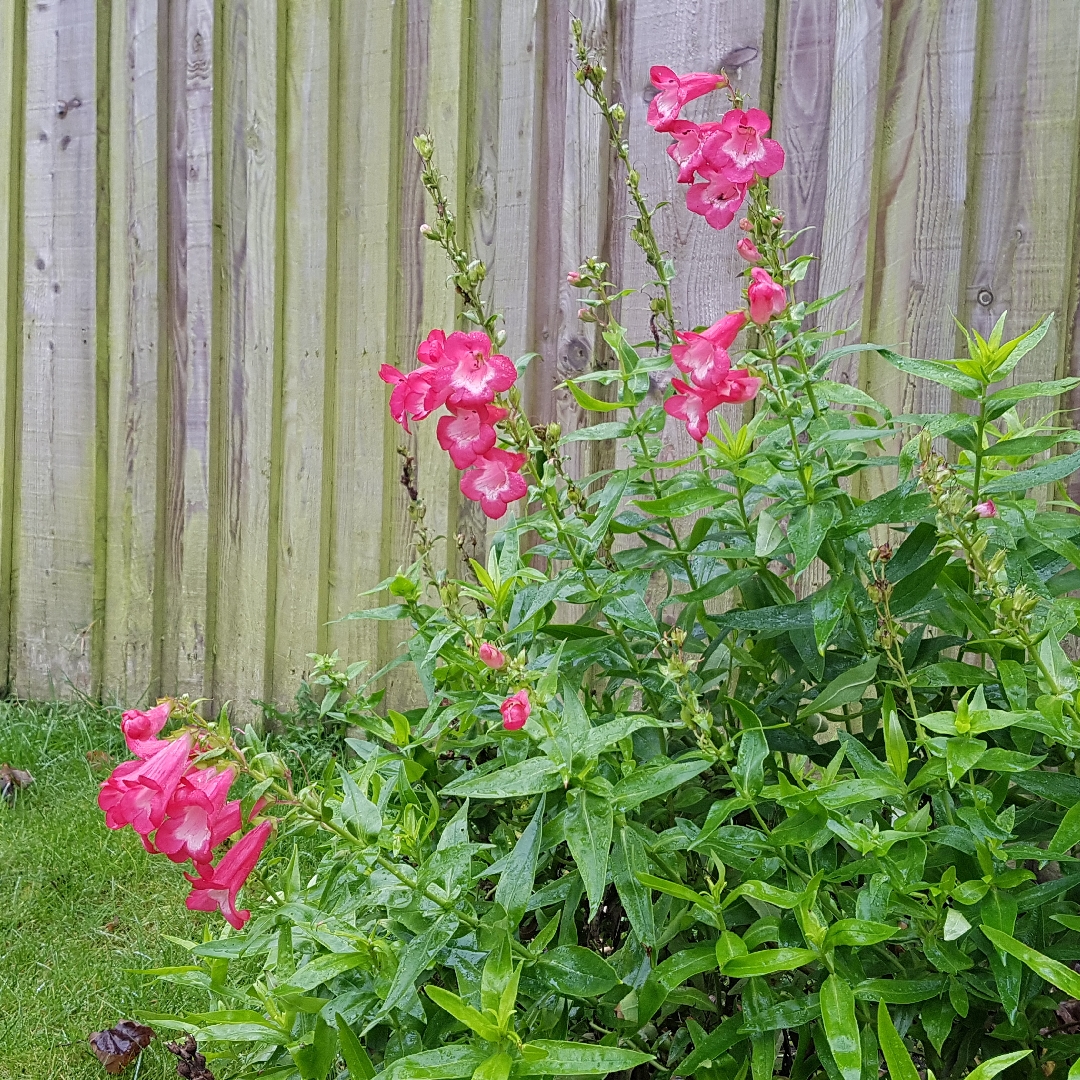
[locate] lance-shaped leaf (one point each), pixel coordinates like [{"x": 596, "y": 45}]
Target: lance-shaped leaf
[
  {"x": 589, "y": 820},
  {"x": 841, "y": 1026},
  {"x": 519, "y": 869}
]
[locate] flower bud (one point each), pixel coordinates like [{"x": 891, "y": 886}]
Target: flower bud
[
  {"x": 424, "y": 146},
  {"x": 575, "y": 279},
  {"x": 618, "y": 113},
  {"x": 585, "y": 315},
  {"x": 746, "y": 224},
  {"x": 748, "y": 250},
  {"x": 778, "y": 218},
  {"x": 986, "y": 509},
  {"x": 554, "y": 432},
  {"x": 492, "y": 657}
]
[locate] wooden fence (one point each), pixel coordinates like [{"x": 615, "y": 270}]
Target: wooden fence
[{"x": 209, "y": 215}]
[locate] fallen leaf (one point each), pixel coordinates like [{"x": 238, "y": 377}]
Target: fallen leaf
[
  {"x": 98, "y": 759},
  {"x": 117, "y": 1047},
  {"x": 192, "y": 1065},
  {"x": 12, "y": 781}
]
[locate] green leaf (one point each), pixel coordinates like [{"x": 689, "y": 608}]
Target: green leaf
[
  {"x": 446, "y": 1063},
  {"x": 578, "y": 972},
  {"x": 416, "y": 957},
  {"x": 1051, "y": 971},
  {"x": 749, "y": 771},
  {"x": 765, "y": 893},
  {"x": 900, "y": 991},
  {"x": 769, "y": 535},
  {"x": 358, "y": 810},
  {"x": 674, "y": 971},
  {"x": 936, "y": 371},
  {"x": 768, "y": 962},
  {"x": 709, "y": 1047},
  {"x": 848, "y": 686},
  {"x": 652, "y": 781},
  {"x": 324, "y": 967},
  {"x": 496, "y": 1067},
  {"x": 588, "y": 827},
  {"x": 547, "y": 1057},
  {"x": 314, "y": 1059},
  {"x": 1003, "y": 400},
  {"x": 858, "y": 933},
  {"x": 673, "y": 888},
  {"x": 598, "y": 433},
  {"x": 1068, "y": 832},
  {"x": 529, "y": 777},
  {"x": 896, "y": 747},
  {"x": 587, "y": 401},
  {"x": 808, "y": 528},
  {"x": 519, "y": 869},
  {"x": 1055, "y": 469},
  {"x": 998, "y": 910},
  {"x": 352, "y": 1050},
  {"x": 962, "y": 754},
  {"x": 628, "y": 860},
  {"x": 702, "y": 496},
  {"x": 897, "y": 1058},
  {"x": 989, "y": 1069},
  {"x": 463, "y": 1011},
  {"x": 841, "y": 1026}
]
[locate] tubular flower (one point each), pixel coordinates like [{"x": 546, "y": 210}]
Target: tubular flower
[
  {"x": 739, "y": 148},
  {"x": 430, "y": 350},
  {"x": 704, "y": 357},
  {"x": 138, "y": 796},
  {"x": 685, "y": 151},
  {"x": 414, "y": 396},
  {"x": 141, "y": 728},
  {"x": 197, "y": 817},
  {"x": 494, "y": 480},
  {"x": 737, "y": 386},
  {"x": 675, "y": 91},
  {"x": 468, "y": 372},
  {"x": 766, "y": 297},
  {"x": 216, "y": 888},
  {"x": 492, "y": 656},
  {"x": 717, "y": 199},
  {"x": 986, "y": 509},
  {"x": 691, "y": 405},
  {"x": 468, "y": 432},
  {"x": 748, "y": 250},
  {"x": 516, "y": 710}
]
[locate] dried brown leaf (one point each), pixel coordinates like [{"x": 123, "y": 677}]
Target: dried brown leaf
[
  {"x": 117, "y": 1047},
  {"x": 191, "y": 1064},
  {"x": 12, "y": 781}
]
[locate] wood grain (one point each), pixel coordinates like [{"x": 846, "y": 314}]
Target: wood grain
[
  {"x": 55, "y": 519},
  {"x": 297, "y": 616},
  {"x": 247, "y": 149},
  {"x": 132, "y": 650},
  {"x": 12, "y": 141}
]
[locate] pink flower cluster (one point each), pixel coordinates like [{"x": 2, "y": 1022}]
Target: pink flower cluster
[
  {"x": 461, "y": 373},
  {"x": 180, "y": 810},
  {"x": 718, "y": 160}
]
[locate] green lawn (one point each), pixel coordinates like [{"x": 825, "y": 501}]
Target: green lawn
[{"x": 80, "y": 906}]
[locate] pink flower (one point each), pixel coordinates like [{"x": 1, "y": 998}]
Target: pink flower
[
  {"x": 140, "y": 729},
  {"x": 415, "y": 396},
  {"x": 766, "y": 297},
  {"x": 717, "y": 199},
  {"x": 986, "y": 509},
  {"x": 197, "y": 817},
  {"x": 137, "y": 793},
  {"x": 675, "y": 92},
  {"x": 468, "y": 432},
  {"x": 492, "y": 656},
  {"x": 495, "y": 480},
  {"x": 739, "y": 148},
  {"x": 737, "y": 386},
  {"x": 748, "y": 250},
  {"x": 704, "y": 357},
  {"x": 516, "y": 710},
  {"x": 691, "y": 405},
  {"x": 216, "y": 887},
  {"x": 573, "y": 278},
  {"x": 685, "y": 151},
  {"x": 430, "y": 350},
  {"x": 468, "y": 372}
]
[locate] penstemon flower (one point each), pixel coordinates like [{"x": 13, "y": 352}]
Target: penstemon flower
[
  {"x": 468, "y": 432},
  {"x": 197, "y": 817},
  {"x": 516, "y": 710},
  {"x": 495, "y": 481},
  {"x": 739, "y": 148},
  {"x": 717, "y": 199},
  {"x": 492, "y": 656},
  {"x": 675, "y": 91},
  {"x": 468, "y": 374},
  {"x": 704, "y": 357},
  {"x": 216, "y": 887},
  {"x": 692, "y": 406},
  {"x": 766, "y": 297}
]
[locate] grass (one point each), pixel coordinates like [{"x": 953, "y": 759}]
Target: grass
[{"x": 80, "y": 906}]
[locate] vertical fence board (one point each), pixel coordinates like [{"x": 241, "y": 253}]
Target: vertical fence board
[
  {"x": 852, "y": 122},
  {"x": 131, "y": 651},
  {"x": 367, "y": 237},
  {"x": 248, "y": 296},
  {"x": 54, "y": 559},
  {"x": 922, "y": 186},
  {"x": 12, "y": 131},
  {"x": 186, "y": 504},
  {"x": 307, "y": 75}
]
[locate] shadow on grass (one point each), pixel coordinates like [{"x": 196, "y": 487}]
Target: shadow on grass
[{"x": 80, "y": 906}]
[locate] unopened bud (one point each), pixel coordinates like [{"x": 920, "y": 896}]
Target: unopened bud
[
  {"x": 585, "y": 315},
  {"x": 425, "y": 147},
  {"x": 746, "y": 224},
  {"x": 554, "y": 432},
  {"x": 428, "y": 232},
  {"x": 618, "y": 113},
  {"x": 777, "y": 218},
  {"x": 574, "y": 278}
]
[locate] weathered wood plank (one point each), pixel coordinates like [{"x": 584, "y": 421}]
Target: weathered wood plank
[
  {"x": 853, "y": 113},
  {"x": 921, "y": 182},
  {"x": 247, "y": 149},
  {"x": 136, "y": 280},
  {"x": 308, "y": 116},
  {"x": 186, "y": 504},
  {"x": 12, "y": 139},
  {"x": 370, "y": 127},
  {"x": 55, "y": 547}
]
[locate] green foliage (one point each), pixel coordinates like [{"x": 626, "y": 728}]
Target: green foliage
[{"x": 796, "y": 791}]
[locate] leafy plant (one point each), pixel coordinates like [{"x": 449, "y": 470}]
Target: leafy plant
[{"x": 719, "y": 821}]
